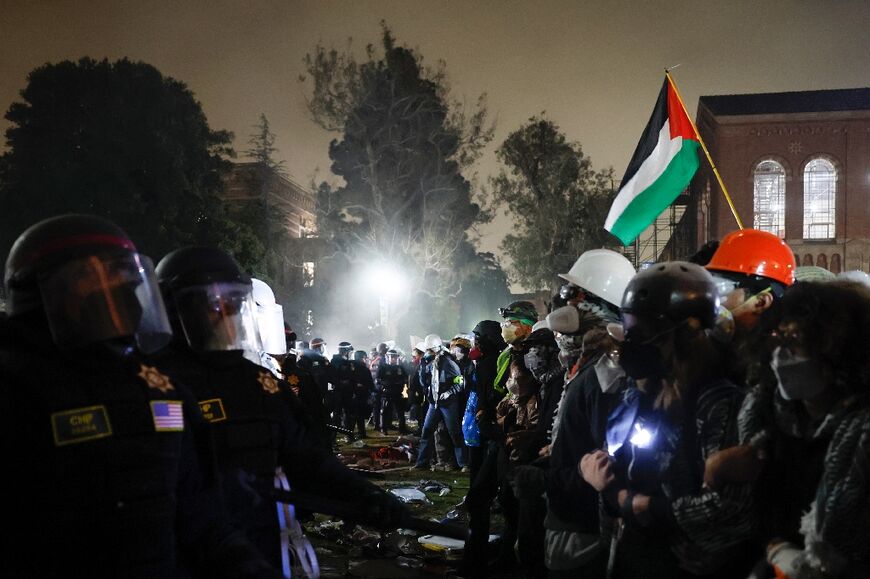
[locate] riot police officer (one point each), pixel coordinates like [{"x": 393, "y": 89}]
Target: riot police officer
[
  {"x": 342, "y": 377},
  {"x": 363, "y": 392},
  {"x": 392, "y": 379},
  {"x": 262, "y": 439},
  {"x": 106, "y": 453},
  {"x": 313, "y": 361}
]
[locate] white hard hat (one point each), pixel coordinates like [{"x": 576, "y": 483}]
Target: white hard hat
[
  {"x": 602, "y": 272},
  {"x": 432, "y": 342},
  {"x": 855, "y": 275}
]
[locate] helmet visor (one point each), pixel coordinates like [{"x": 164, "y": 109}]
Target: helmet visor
[
  {"x": 218, "y": 316},
  {"x": 270, "y": 321},
  {"x": 104, "y": 297}
]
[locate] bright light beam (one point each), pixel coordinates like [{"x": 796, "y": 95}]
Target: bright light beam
[{"x": 384, "y": 280}]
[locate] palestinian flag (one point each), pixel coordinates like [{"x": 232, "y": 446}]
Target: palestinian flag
[{"x": 663, "y": 163}]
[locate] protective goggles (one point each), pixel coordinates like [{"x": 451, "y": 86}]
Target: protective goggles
[{"x": 569, "y": 291}]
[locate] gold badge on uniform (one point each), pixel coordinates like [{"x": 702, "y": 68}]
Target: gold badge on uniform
[
  {"x": 293, "y": 379},
  {"x": 270, "y": 384},
  {"x": 155, "y": 379},
  {"x": 80, "y": 425},
  {"x": 213, "y": 410}
]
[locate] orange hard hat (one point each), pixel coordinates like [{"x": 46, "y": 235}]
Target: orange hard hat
[{"x": 754, "y": 252}]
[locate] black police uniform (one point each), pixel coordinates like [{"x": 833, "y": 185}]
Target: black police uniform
[
  {"x": 342, "y": 376},
  {"x": 310, "y": 395},
  {"x": 392, "y": 379},
  {"x": 363, "y": 389},
  {"x": 108, "y": 467},
  {"x": 318, "y": 367},
  {"x": 259, "y": 425}
]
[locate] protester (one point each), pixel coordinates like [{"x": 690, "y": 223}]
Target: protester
[
  {"x": 442, "y": 381},
  {"x": 679, "y": 411},
  {"x": 810, "y": 426}
]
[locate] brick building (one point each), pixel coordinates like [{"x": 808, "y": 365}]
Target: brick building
[
  {"x": 796, "y": 164},
  {"x": 289, "y": 231}
]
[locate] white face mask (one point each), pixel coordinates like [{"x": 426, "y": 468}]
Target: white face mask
[
  {"x": 798, "y": 378},
  {"x": 513, "y": 386},
  {"x": 609, "y": 374}
]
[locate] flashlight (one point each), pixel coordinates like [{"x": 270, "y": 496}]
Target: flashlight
[{"x": 641, "y": 438}]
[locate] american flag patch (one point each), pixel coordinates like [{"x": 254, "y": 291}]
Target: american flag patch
[{"x": 168, "y": 415}]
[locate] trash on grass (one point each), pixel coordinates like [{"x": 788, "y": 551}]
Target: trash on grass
[{"x": 410, "y": 495}]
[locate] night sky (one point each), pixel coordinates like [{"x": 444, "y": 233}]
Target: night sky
[{"x": 595, "y": 67}]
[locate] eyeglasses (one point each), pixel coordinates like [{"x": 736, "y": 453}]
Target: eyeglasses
[
  {"x": 789, "y": 337},
  {"x": 569, "y": 291}
]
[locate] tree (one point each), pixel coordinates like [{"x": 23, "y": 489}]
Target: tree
[
  {"x": 403, "y": 144},
  {"x": 557, "y": 202},
  {"x": 121, "y": 141}
]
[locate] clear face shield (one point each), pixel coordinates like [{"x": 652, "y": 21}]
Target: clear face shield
[
  {"x": 270, "y": 321},
  {"x": 219, "y": 316},
  {"x": 100, "y": 298}
]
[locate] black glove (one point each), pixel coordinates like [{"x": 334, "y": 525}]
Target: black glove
[{"x": 384, "y": 510}]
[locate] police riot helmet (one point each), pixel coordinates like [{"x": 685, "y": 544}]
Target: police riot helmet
[
  {"x": 210, "y": 298},
  {"x": 392, "y": 356},
  {"x": 345, "y": 349},
  {"x": 360, "y": 355},
  {"x": 270, "y": 319},
  {"x": 318, "y": 345},
  {"x": 85, "y": 273},
  {"x": 666, "y": 295}
]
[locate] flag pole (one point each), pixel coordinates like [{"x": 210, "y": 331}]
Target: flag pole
[{"x": 706, "y": 151}]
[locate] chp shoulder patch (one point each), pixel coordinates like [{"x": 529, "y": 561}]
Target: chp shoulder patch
[
  {"x": 155, "y": 378},
  {"x": 168, "y": 415},
  {"x": 293, "y": 379},
  {"x": 213, "y": 410},
  {"x": 80, "y": 425},
  {"x": 268, "y": 381}
]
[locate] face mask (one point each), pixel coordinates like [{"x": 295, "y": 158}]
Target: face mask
[
  {"x": 513, "y": 386},
  {"x": 509, "y": 333},
  {"x": 457, "y": 353},
  {"x": 641, "y": 360},
  {"x": 570, "y": 346},
  {"x": 475, "y": 353},
  {"x": 536, "y": 362},
  {"x": 798, "y": 378},
  {"x": 428, "y": 357},
  {"x": 609, "y": 374}
]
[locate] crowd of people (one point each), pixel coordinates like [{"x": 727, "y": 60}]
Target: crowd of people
[{"x": 700, "y": 418}]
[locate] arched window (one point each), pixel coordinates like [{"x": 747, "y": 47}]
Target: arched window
[
  {"x": 835, "y": 263},
  {"x": 808, "y": 259},
  {"x": 769, "y": 197},
  {"x": 822, "y": 260},
  {"x": 820, "y": 195}
]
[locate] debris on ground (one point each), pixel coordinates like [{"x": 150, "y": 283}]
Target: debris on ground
[
  {"x": 434, "y": 486},
  {"x": 410, "y": 495}
]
